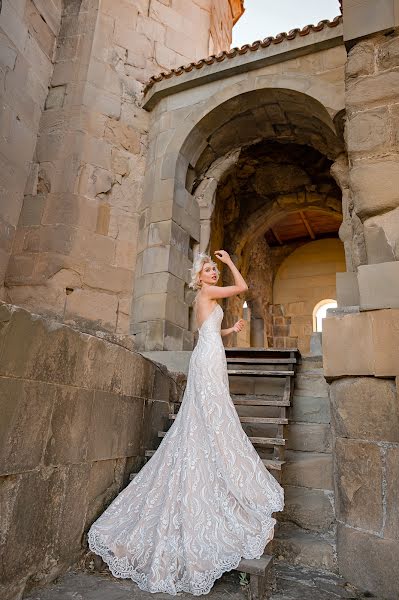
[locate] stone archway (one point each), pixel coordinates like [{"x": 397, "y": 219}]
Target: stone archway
[{"x": 189, "y": 155}]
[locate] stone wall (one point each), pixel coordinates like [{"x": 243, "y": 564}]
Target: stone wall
[
  {"x": 74, "y": 253},
  {"x": 372, "y": 139},
  {"x": 77, "y": 413},
  {"x": 28, "y": 31},
  {"x": 365, "y": 425},
  {"x": 305, "y": 278}
]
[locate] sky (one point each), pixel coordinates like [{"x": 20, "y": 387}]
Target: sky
[{"x": 263, "y": 18}]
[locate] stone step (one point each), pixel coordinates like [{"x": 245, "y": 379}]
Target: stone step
[
  {"x": 308, "y": 469},
  {"x": 258, "y": 400},
  {"x": 255, "y": 373},
  {"x": 300, "y": 547},
  {"x": 310, "y": 409},
  {"x": 308, "y": 437},
  {"x": 310, "y": 384},
  {"x": 310, "y": 509}
]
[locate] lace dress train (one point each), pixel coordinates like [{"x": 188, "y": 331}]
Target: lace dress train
[{"x": 203, "y": 501}]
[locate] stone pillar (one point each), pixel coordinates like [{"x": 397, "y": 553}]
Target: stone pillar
[
  {"x": 257, "y": 333},
  {"x": 365, "y": 427},
  {"x": 360, "y": 346},
  {"x": 28, "y": 39}
]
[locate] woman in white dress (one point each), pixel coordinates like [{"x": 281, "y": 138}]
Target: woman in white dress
[{"x": 205, "y": 499}]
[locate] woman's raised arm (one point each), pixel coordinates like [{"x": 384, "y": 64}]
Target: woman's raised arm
[{"x": 215, "y": 291}]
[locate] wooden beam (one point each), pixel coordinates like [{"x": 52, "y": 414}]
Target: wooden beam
[
  {"x": 276, "y": 236},
  {"x": 307, "y": 225}
]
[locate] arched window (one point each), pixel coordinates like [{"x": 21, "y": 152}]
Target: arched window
[{"x": 320, "y": 311}]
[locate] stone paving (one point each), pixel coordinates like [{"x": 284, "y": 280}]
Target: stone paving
[{"x": 293, "y": 583}]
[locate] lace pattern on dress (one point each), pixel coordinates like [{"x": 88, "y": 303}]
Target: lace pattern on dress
[{"x": 203, "y": 501}]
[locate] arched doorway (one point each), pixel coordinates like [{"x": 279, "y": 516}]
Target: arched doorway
[{"x": 230, "y": 180}]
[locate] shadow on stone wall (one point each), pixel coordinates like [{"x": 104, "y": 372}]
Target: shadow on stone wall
[{"x": 77, "y": 412}]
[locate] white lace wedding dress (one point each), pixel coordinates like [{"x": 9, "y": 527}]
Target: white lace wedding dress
[{"x": 203, "y": 501}]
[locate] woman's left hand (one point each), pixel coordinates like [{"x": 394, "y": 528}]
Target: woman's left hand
[{"x": 238, "y": 326}]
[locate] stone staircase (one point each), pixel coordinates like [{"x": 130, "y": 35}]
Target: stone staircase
[
  {"x": 306, "y": 533},
  {"x": 283, "y": 405},
  {"x": 261, "y": 386}
]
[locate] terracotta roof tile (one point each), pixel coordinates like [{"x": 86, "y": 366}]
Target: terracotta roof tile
[{"x": 215, "y": 58}]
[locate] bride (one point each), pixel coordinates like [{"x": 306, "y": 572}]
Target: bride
[{"x": 205, "y": 499}]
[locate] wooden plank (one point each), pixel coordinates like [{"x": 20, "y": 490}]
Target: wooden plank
[
  {"x": 254, "y": 400},
  {"x": 265, "y": 441},
  {"x": 265, "y": 420},
  {"x": 255, "y": 420},
  {"x": 273, "y": 464},
  {"x": 256, "y": 566},
  {"x": 259, "y": 350},
  {"x": 262, "y": 361},
  {"x": 253, "y": 373},
  {"x": 307, "y": 225}
]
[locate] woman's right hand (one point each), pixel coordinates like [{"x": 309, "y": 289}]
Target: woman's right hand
[{"x": 223, "y": 256}]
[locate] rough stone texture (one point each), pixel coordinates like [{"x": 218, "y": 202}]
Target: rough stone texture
[
  {"x": 365, "y": 408},
  {"x": 76, "y": 243},
  {"x": 299, "y": 547},
  {"x": 310, "y": 509},
  {"x": 359, "y": 483},
  {"x": 308, "y": 469},
  {"x": 378, "y": 285},
  {"x": 28, "y": 35},
  {"x": 77, "y": 412},
  {"x": 367, "y": 342},
  {"x": 369, "y": 561}
]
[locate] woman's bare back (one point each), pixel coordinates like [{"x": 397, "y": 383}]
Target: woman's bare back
[{"x": 203, "y": 307}]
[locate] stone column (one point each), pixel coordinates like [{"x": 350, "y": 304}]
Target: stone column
[
  {"x": 360, "y": 345},
  {"x": 257, "y": 335}
]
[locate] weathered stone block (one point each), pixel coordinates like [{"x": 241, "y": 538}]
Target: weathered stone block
[
  {"x": 68, "y": 426},
  {"x": 372, "y": 90},
  {"x": 117, "y": 423},
  {"x": 359, "y": 484},
  {"x": 92, "y": 309},
  {"x": 369, "y": 562},
  {"x": 388, "y": 54},
  {"x": 385, "y": 328},
  {"x": 24, "y": 424},
  {"x": 310, "y": 509},
  {"x": 308, "y": 469},
  {"x": 379, "y": 250},
  {"x": 27, "y": 547},
  {"x": 309, "y": 437},
  {"x": 301, "y": 547},
  {"x": 354, "y": 333},
  {"x": 365, "y": 408},
  {"x": 310, "y": 409},
  {"x": 361, "y": 59},
  {"x": 368, "y": 132},
  {"x": 311, "y": 385},
  {"x": 379, "y": 285},
  {"x": 375, "y": 187},
  {"x": 362, "y": 18}
]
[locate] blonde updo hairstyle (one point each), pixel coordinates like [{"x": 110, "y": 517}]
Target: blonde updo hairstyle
[{"x": 200, "y": 260}]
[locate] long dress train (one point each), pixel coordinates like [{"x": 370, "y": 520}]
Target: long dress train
[{"x": 203, "y": 501}]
